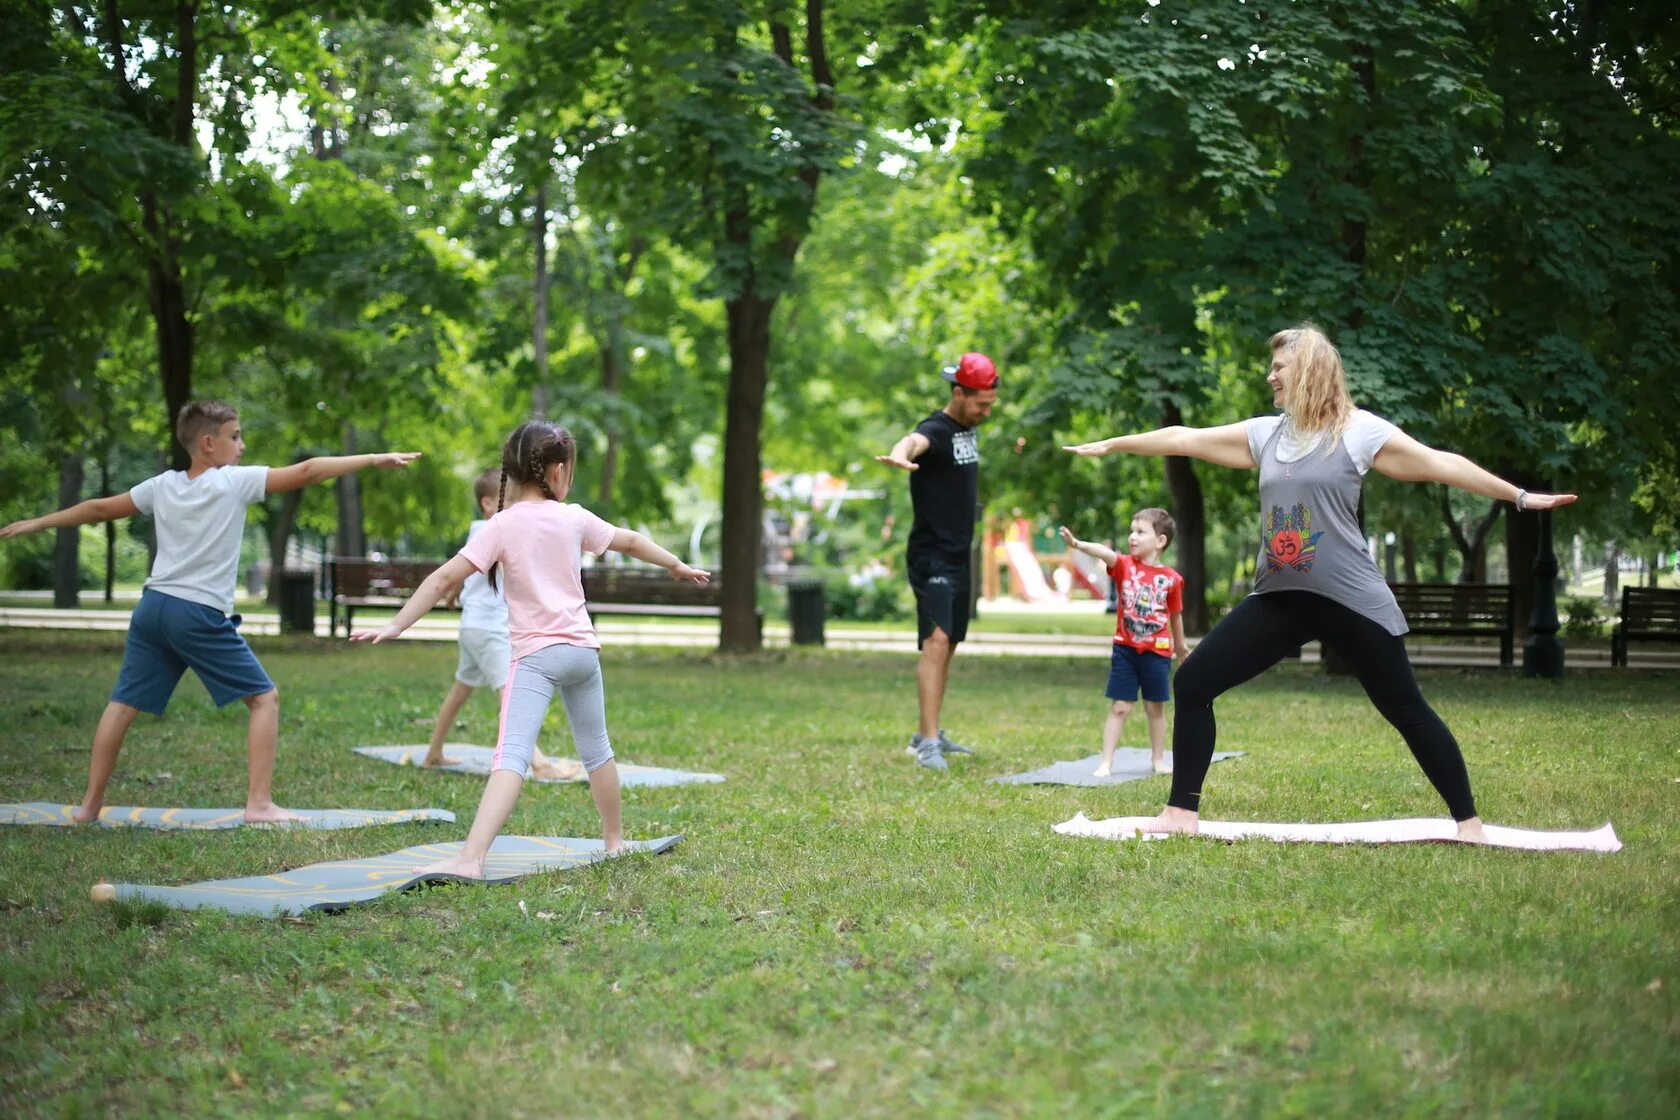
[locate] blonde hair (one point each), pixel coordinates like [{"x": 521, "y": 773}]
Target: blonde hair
[{"x": 1316, "y": 397}]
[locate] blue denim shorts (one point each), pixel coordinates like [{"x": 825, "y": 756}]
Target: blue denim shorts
[
  {"x": 1130, "y": 669},
  {"x": 167, "y": 636}
]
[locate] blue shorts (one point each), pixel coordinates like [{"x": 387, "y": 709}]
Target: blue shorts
[
  {"x": 167, "y": 636},
  {"x": 1129, "y": 668}
]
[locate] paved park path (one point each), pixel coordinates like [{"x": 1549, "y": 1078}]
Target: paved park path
[{"x": 666, "y": 632}]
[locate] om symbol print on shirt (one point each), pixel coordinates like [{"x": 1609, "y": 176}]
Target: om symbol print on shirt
[{"x": 1289, "y": 539}]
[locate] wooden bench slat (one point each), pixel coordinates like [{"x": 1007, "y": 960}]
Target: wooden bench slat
[
  {"x": 1460, "y": 610},
  {"x": 1649, "y": 614}
]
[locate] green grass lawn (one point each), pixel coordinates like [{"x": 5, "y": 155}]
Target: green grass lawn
[{"x": 842, "y": 934}]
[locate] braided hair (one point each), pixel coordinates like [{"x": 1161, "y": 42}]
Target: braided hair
[{"x": 527, "y": 455}]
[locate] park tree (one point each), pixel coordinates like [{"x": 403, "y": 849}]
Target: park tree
[{"x": 720, "y": 122}]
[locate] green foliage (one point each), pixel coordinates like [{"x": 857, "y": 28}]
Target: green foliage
[{"x": 885, "y": 599}]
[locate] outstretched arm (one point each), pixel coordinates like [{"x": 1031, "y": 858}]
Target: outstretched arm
[
  {"x": 324, "y": 467},
  {"x": 1089, "y": 548},
  {"x": 1226, "y": 445},
  {"x": 91, "y": 512},
  {"x": 632, "y": 543},
  {"x": 445, "y": 581},
  {"x": 905, "y": 452},
  {"x": 1404, "y": 458}
]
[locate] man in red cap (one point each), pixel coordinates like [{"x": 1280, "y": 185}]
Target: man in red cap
[{"x": 944, "y": 461}]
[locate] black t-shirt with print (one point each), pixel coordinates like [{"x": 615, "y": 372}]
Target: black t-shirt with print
[{"x": 945, "y": 490}]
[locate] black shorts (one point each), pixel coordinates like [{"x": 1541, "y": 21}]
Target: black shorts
[{"x": 942, "y": 596}]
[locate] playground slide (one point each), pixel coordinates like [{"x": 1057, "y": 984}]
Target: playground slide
[
  {"x": 1086, "y": 569},
  {"x": 1029, "y": 577}
]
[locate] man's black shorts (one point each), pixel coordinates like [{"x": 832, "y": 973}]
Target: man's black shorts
[{"x": 942, "y": 595}]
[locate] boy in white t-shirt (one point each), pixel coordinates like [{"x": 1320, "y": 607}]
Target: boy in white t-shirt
[
  {"x": 486, "y": 652},
  {"x": 183, "y": 620}
]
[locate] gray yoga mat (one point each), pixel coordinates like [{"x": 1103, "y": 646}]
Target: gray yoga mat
[
  {"x": 338, "y": 885},
  {"x": 130, "y": 816},
  {"x": 1130, "y": 764},
  {"x": 476, "y": 760}
]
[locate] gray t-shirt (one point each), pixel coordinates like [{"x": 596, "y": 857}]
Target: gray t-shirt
[
  {"x": 200, "y": 523},
  {"x": 1309, "y": 521}
]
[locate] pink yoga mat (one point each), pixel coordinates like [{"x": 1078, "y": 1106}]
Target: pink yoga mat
[{"x": 1415, "y": 830}]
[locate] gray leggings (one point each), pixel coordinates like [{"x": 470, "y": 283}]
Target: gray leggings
[{"x": 576, "y": 671}]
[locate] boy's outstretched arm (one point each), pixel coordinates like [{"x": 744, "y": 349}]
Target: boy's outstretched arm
[
  {"x": 324, "y": 467},
  {"x": 91, "y": 512},
  {"x": 632, "y": 543},
  {"x": 1090, "y": 548},
  {"x": 434, "y": 587}
]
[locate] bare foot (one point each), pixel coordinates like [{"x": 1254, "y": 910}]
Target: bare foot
[
  {"x": 1470, "y": 832},
  {"x": 464, "y": 868},
  {"x": 616, "y": 846},
  {"x": 86, "y": 813},
  {"x": 439, "y": 760},
  {"x": 561, "y": 769},
  {"x": 1174, "y": 821},
  {"x": 1102, "y": 771},
  {"x": 270, "y": 814},
  {"x": 1160, "y": 766}
]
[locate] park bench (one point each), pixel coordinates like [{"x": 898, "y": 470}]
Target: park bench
[
  {"x": 651, "y": 591},
  {"x": 355, "y": 582},
  {"x": 1649, "y": 614},
  {"x": 1460, "y": 610}
]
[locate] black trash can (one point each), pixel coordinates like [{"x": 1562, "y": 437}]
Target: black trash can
[
  {"x": 297, "y": 602},
  {"x": 806, "y": 606}
]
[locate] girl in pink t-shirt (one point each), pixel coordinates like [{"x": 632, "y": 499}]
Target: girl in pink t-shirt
[{"x": 535, "y": 546}]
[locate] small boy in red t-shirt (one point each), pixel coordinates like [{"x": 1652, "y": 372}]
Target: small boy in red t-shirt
[{"x": 1148, "y": 632}]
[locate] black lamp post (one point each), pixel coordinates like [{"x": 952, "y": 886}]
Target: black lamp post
[{"x": 1543, "y": 652}]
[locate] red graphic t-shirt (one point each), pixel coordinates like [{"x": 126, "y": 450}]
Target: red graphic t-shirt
[{"x": 1150, "y": 594}]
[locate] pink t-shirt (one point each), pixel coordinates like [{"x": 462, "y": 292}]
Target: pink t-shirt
[{"x": 540, "y": 547}]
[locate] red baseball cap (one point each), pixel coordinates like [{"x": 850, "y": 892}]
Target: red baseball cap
[{"x": 972, "y": 371}]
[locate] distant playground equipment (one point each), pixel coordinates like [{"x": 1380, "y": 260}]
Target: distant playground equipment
[{"x": 1013, "y": 550}]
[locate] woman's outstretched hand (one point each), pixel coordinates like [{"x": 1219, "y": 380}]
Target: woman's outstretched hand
[{"x": 1546, "y": 501}]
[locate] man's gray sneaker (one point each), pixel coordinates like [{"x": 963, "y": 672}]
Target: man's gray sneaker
[
  {"x": 927, "y": 753},
  {"x": 948, "y": 747}
]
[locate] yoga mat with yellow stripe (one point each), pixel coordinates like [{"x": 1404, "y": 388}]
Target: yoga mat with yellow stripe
[
  {"x": 344, "y": 883},
  {"x": 134, "y": 816}
]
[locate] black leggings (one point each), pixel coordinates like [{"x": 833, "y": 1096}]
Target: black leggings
[{"x": 1257, "y": 635}]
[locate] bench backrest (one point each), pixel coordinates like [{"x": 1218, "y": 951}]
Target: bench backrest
[
  {"x": 356, "y": 578},
  {"x": 634, "y": 585},
  {"x": 1456, "y": 604},
  {"x": 1651, "y": 608}
]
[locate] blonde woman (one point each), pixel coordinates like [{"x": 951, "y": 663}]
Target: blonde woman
[{"x": 1314, "y": 578}]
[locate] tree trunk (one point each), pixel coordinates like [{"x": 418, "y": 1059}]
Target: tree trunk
[
  {"x": 1408, "y": 555},
  {"x": 1612, "y": 573},
  {"x": 1522, "y": 545},
  {"x": 1189, "y": 511},
  {"x": 352, "y": 541},
  {"x": 1651, "y": 569},
  {"x": 67, "y": 570},
  {"x": 110, "y": 533},
  {"x": 743, "y": 492},
  {"x": 279, "y": 536},
  {"x": 1472, "y": 548},
  {"x": 611, "y": 376},
  {"x": 539, "y": 306}
]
